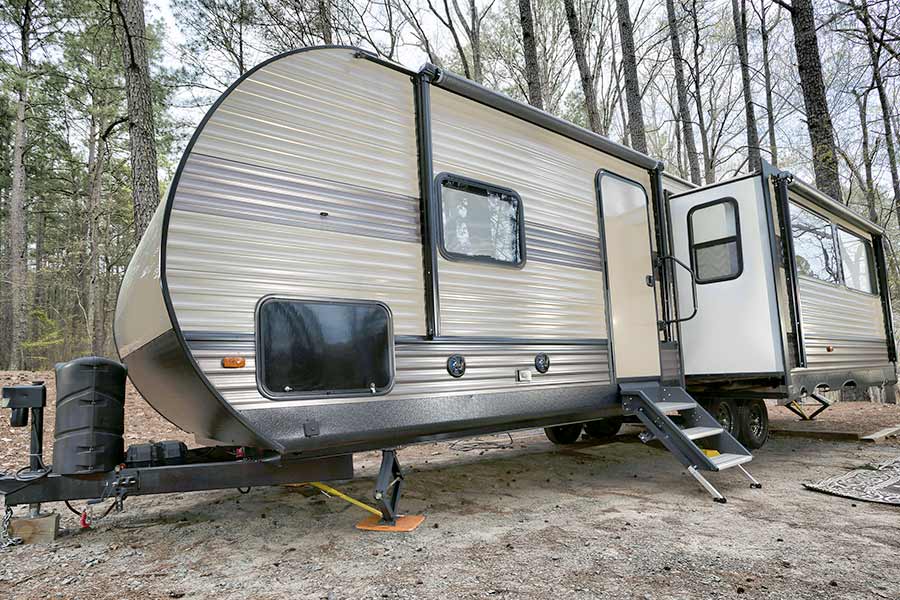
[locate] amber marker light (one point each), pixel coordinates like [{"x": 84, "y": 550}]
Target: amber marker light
[{"x": 234, "y": 362}]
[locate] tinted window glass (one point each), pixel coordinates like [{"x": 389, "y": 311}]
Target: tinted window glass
[
  {"x": 311, "y": 347},
  {"x": 481, "y": 222},
  {"x": 814, "y": 245},
  {"x": 856, "y": 261},
  {"x": 715, "y": 241}
]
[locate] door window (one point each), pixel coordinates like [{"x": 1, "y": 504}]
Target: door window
[{"x": 715, "y": 241}]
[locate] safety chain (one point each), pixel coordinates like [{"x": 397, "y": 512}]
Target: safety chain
[{"x": 5, "y": 539}]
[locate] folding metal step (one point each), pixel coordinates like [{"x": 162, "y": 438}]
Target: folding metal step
[
  {"x": 668, "y": 407},
  {"x": 726, "y": 461},
  {"x": 698, "y": 433},
  {"x": 654, "y": 404}
]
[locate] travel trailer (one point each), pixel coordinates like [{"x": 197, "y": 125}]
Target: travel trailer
[{"x": 353, "y": 255}]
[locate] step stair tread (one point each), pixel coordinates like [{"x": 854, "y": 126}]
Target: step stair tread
[
  {"x": 672, "y": 406},
  {"x": 726, "y": 461},
  {"x": 696, "y": 433}
]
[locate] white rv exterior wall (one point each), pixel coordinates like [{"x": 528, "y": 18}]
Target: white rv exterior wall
[{"x": 556, "y": 179}]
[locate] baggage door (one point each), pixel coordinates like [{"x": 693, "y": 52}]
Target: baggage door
[
  {"x": 625, "y": 229},
  {"x": 722, "y": 232}
]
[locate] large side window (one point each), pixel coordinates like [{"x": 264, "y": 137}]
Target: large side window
[
  {"x": 315, "y": 347},
  {"x": 856, "y": 260},
  {"x": 814, "y": 245},
  {"x": 480, "y": 222},
  {"x": 714, "y": 233}
]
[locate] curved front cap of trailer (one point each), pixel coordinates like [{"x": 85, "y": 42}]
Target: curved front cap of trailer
[{"x": 295, "y": 221}]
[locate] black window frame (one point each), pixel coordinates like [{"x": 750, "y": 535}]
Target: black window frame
[
  {"x": 870, "y": 258},
  {"x": 439, "y": 181},
  {"x": 260, "y": 357},
  {"x": 692, "y": 247}
]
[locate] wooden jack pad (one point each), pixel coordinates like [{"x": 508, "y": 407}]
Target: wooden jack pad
[
  {"x": 404, "y": 523},
  {"x": 37, "y": 530}
]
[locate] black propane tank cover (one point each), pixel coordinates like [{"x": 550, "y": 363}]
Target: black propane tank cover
[{"x": 90, "y": 416}]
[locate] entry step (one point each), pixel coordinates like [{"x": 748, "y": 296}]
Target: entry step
[
  {"x": 668, "y": 407},
  {"x": 696, "y": 433},
  {"x": 726, "y": 461}
]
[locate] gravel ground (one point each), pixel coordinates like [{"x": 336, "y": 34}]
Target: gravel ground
[
  {"x": 506, "y": 518},
  {"x": 860, "y": 418}
]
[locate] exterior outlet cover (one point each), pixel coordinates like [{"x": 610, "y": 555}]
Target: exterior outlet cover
[{"x": 523, "y": 375}]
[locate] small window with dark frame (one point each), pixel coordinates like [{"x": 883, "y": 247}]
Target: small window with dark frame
[
  {"x": 324, "y": 347},
  {"x": 480, "y": 222},
  {"x": 814, "y": 247},
  {"x": 715, "y": 241},
  {"x": 856, "y": 261}
]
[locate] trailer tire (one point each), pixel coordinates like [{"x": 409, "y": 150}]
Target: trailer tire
[
  {"x": 603, "y": 429},
  {"x": 726, "y": 412},
  {"x": 754, "y": 430},
  {"x": 563, "y": 434}
]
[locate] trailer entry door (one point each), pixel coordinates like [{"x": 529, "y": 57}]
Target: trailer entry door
[
  {"x": 722, "y": 232},
  {"x": 625, "y": 229}
]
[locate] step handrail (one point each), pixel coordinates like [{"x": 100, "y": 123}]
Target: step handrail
[{"x": 693, "y": 290}]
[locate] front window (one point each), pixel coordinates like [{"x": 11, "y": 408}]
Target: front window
[
  {"x": 480, "y": 222},
  {"x": 814, "y": 245},
  {"x": 856, "y": 260},
  {"x": 715, "y": 239},
  {"x": 324, "y": 347}
]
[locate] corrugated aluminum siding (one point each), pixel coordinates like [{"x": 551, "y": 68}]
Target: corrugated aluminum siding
[
  {"x": 851, "y": 322},
  {"x": 555, "y": 178},
  {"x": 421, "y": 369},
  {"x": 303, "y": 183},
  {"x": 324, "y": 114},
  {"x": 141, "y": 314}
]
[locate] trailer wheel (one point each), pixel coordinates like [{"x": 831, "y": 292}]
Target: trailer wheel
[
  {"x": 604, "y": 429},
  {"x": 754, "y": 430},
  {"x": 726, "y": 413},
  {"x": 563, "y": 434}
]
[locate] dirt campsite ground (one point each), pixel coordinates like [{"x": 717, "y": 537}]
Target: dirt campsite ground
[{"x": 506, "y": 517}]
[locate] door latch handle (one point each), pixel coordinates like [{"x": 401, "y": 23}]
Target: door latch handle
[{"x": 650, "y": 281}]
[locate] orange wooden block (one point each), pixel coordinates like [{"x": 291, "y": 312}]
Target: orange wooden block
[{"x": 404, "y": 523}]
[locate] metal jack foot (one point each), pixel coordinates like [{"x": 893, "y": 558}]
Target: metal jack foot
[
  {"x": 753, "y": 482},
  {"x": 389, "y": 486},
  {"x": 707, "y": 485}
]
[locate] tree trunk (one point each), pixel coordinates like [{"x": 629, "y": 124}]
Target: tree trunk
[
  {"x": 96, "y": 165},
  {"x": 861, "y": 101},
  {"x": 632, "y": 84},
  {"x": 529, "y": 45},
  {"x": 709, "y": 165},
  {"x": 475, "y": 42},
  {"x": 584, "y": 70},
  {"x": 739, "y": 12},
  {"x": 141, "y": 128},
  {"x": 862, "y": 14},
  {"x": 687, "y": 133},
  {"x": 767, "y": 77},
  {"x": 325, "y": 21},
  {"x": 818, "y": 118},
  {"x": 17, "y": 248}
]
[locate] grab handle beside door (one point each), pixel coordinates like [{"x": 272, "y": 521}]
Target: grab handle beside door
[{"x": 693, "y": 290}]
